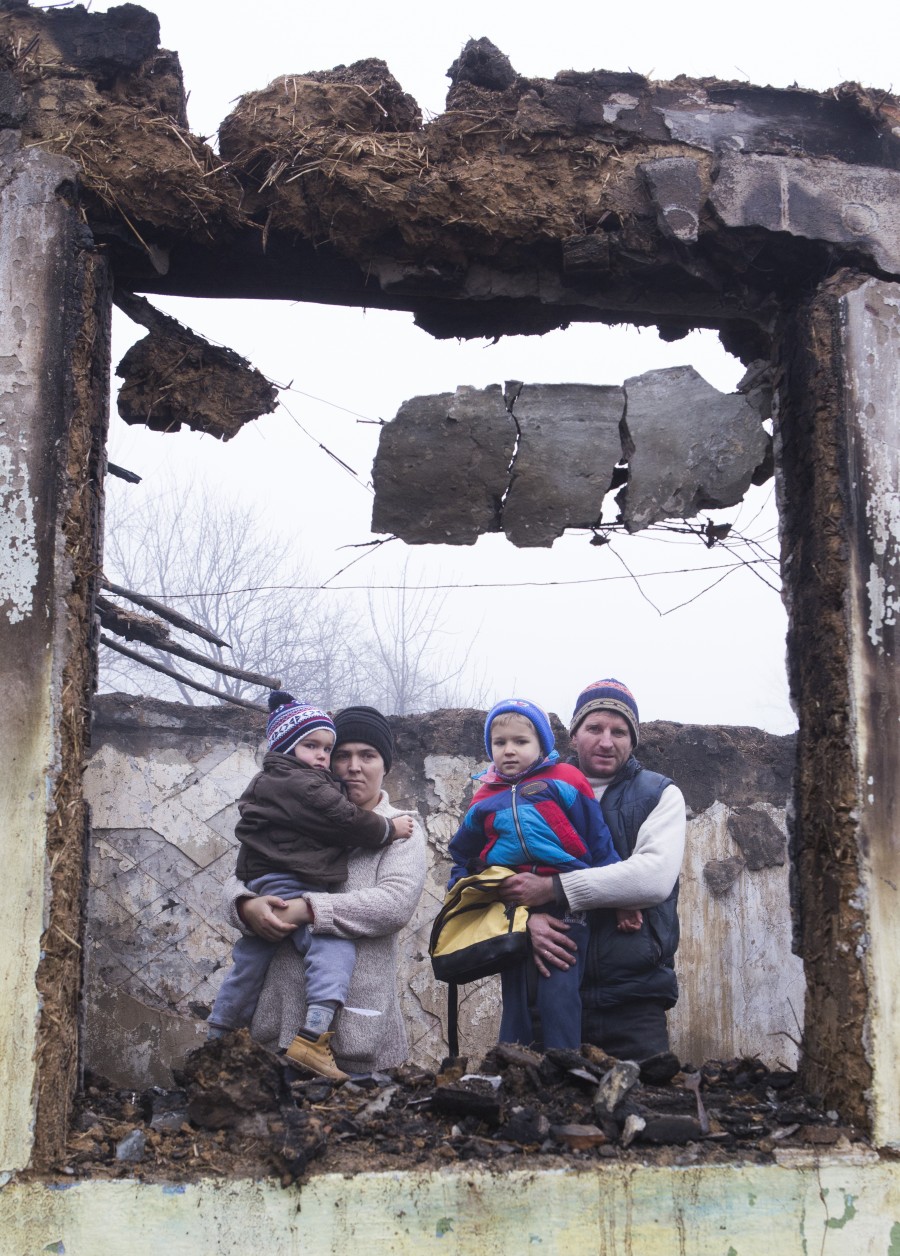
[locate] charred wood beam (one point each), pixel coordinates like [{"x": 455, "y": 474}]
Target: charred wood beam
[
  {"x": 177, "y": 676},
  {"x": 164, "y": 612},
  {"x": 134, "y": 627},
  {"x": 131, "y": 625},
  {"x": 122, "y": 473}
]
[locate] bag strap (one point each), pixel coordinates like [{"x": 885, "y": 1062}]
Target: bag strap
[{"x": 452, "y": 1021}]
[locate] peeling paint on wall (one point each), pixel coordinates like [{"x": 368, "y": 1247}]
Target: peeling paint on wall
[
  {"x": 880, "y": 458},
  {"x": 18, "y": 551}
]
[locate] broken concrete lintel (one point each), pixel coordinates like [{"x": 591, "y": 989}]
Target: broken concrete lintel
[
  {"x": 569, "y": 443},
  {"x": 442, "y": 218},
  {"x": 689, "y": 447},
  {"x": 676, "y": 190},
  {"x": 538, "y": 459},
  {"x": 442, "y": 467},
  {"x": 820, "y": 200}
]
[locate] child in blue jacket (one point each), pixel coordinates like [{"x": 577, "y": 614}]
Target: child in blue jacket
[{"x": 535, "y": 814}]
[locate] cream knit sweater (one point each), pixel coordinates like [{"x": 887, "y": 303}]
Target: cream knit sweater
[{"x": 377, "y": 899}]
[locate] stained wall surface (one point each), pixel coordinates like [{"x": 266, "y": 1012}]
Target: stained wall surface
[{"x": 162, "y": 781}]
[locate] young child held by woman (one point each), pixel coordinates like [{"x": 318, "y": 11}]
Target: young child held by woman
[{"x": 296, "y": 827}]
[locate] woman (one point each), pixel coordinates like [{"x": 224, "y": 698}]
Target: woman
[{"x": 378, "y": 898}]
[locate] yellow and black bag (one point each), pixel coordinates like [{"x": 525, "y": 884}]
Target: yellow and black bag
[{"x": 474, "y": 935}]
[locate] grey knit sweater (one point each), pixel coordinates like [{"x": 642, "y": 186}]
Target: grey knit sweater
[{"x": 377, "y": 899}]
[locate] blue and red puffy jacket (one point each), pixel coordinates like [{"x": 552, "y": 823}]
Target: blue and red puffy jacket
[{"x": 547, "y": 821}]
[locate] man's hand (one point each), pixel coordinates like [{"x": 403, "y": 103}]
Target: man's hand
[
  {"x": 526, "y": 890},
  {"x": 259, "y": 914},
  {"x": 549, "y": 943}
]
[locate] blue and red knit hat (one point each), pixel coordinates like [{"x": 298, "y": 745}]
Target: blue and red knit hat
[
  {"x": 291, "y": 721},
  {"x": 531, "y": 711},
  {"x": 608, "y": 695}
]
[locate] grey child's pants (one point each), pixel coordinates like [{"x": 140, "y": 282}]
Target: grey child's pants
[{"x": 327, "y": 961}]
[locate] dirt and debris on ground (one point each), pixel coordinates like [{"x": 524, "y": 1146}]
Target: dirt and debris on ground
[{"x": 239, "y": 1111}]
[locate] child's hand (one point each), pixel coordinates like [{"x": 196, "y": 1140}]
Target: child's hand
[
  {"x": 295, "y": 912},
  {"x": 629, "y": 919},
  {"x": 403, "y": 827}
]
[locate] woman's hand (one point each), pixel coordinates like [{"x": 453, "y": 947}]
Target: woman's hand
[
  {"x": 266, "y": 915},
  {"x": 526, "y": 890},
  {"x": 549, "y": 943}
]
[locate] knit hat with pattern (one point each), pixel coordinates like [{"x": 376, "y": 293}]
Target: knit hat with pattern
[
  {"x": 608, "y": 695},
  {"x": 364, "y": 723},
  {"x": 291, "y": 721},
  {"x": 531, "y": 711}
]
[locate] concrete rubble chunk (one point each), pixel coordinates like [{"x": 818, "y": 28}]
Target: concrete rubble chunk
[
  {"x": 578, "y": 1137},
  {"x": 132, "y": 1146},
  {"x": 614, "y": 1086},
  {"x": 719, "y": 875},
  {"x": 761, "y": 841},
  {"x": 676, "y": 191},
  {"x": 442, "y": 467},
  {"x": 819, "y": 200},
  {"x": 569, "y": 445},
  {"x": 689, "y": 447}
]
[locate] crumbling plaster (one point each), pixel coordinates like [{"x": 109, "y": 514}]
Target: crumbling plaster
[{"x": 51, "y": 428}]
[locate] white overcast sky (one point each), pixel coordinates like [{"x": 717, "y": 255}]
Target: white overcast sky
[{"x": 719, "y": 659}]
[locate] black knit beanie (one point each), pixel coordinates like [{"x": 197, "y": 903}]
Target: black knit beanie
[{"x": 364, "y": 723}]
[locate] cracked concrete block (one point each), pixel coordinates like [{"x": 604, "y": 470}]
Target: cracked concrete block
[
  {"x": 762, "y": 842},
  {"x": 568, "y": 447},
  {"x": 720, "y": 874},
  {"x": 689, "y": 447},
  {"x": 676, "y": 191},
  {"x": 442, "y": 467},
  {"x": 819, "y": 200}
]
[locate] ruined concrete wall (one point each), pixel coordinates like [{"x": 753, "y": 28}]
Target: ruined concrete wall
[
  {"x": 53, "y": 406},
  {"x": 836, "y": 437},
  {"x": 162, "y": 781}
]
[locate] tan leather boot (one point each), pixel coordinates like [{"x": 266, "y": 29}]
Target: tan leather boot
[{"x": 316, "y": 1055}]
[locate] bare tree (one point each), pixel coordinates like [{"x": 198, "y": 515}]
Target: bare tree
[
  {"x": 410, "y": 668},
  {"x": 221, "y": 566}
]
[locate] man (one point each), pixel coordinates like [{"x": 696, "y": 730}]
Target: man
[{"x": 629, "y": 980}]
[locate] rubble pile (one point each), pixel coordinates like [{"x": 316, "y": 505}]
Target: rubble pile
[{"x": 239, "y": 1112}]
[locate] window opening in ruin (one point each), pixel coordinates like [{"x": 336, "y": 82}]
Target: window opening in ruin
[
  {"x": 345, "y": 371},
  {"x": 322, "y": 494}
]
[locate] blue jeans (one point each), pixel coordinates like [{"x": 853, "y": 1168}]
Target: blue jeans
[
  {"x": 557, "y": 998},
  {"x": 327, "y": 961}
]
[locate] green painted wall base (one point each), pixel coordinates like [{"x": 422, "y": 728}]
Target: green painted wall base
[{"x": 832, "y": 1205}]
